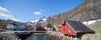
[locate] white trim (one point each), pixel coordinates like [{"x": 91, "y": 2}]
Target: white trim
[{"x": 55, "y": 27}]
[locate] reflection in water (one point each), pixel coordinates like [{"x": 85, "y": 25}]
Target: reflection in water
[{"x": 41, "y": 37}]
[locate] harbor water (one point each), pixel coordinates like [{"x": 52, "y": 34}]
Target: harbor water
[{"x": 40, "y": 37}]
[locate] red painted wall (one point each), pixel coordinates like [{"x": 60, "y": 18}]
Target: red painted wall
[{"x": 66, "y": 29}]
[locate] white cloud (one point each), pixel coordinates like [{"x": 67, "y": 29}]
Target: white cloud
[
  {"x": 37, "y": 13},
  {"x": 7, "y": 14}
]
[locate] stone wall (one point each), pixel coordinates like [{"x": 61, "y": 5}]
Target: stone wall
[{"x": 9, "y": 36}]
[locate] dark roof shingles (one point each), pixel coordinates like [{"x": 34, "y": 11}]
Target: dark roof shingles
[{"x": 79, "y": 27}]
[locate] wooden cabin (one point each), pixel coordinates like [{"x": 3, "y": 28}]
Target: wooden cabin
[
  {"x": 40, "y": 29},
  {"x": 75, "y": 28}
]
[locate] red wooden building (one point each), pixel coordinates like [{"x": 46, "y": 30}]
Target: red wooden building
[
  {"x": 40, "y": 29},
  {"x": 75, "y": 28}
]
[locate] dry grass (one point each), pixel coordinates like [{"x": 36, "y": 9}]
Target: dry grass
[{"x": 97, "y": 28}]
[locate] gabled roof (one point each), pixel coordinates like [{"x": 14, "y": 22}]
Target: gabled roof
[{"x": 79, "y": 27}]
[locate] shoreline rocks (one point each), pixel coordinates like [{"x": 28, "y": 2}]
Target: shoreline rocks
[{"x": 9, "y": 36}]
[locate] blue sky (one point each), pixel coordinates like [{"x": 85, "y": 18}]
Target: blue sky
[{"x": 26, "y": 10}]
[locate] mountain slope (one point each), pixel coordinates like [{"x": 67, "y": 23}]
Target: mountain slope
[{"x": 89, "y": 10}]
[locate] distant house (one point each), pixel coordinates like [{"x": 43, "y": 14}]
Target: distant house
[
  {"x": 40, "y": 29},
  {"x": 75, "y": 28}
]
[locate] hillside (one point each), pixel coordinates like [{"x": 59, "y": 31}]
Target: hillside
[
  {"x": 3, "y": 24},
  {"x": 89, "y": 10},
  {"x": 97, "y": 28}
]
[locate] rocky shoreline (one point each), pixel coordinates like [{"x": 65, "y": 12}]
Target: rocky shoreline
[{"x": 9, "y": 36}]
